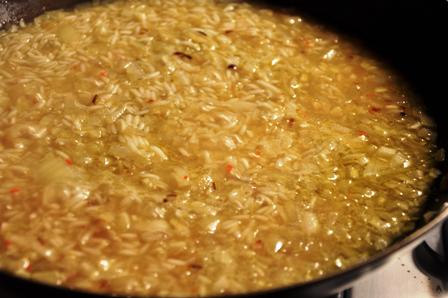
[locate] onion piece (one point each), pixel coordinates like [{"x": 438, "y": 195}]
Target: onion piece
[
  {"x": 309, "y": 222},
  {"x": 386, "y": 151}
]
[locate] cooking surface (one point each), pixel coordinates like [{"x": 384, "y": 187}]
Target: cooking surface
[{"x": 401, "y": 278}]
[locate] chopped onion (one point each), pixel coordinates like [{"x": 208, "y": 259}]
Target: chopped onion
[
  {"x": 386, "y": 151},
  {"x": 310, "y": 223}
]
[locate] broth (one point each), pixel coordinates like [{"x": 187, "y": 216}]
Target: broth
[{"x": 200, "y": 147}]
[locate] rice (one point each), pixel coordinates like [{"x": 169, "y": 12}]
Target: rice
[{"x": 183, "y": 148}]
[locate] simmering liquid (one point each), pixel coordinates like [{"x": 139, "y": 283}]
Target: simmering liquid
[{"x": 199, "y": 147}]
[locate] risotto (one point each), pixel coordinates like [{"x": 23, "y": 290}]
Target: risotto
[{"x": 200, "y": 147}]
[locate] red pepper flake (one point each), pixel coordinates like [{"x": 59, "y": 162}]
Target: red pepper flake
[
  {"x": 362, "y": 133},
  {"x": 76, "y": 66},
  {"x": 229, "y": 168},
  {"x": 195, "y": 266},
  {"x": 29, "y": 268},
  {"x": 69, "y": 162},
  {"x": 373, "y": 110},
  {"x": 103, "y": 284},
  {"x": 103, "y": 73},
  {"x": 308, "y": 43},
  {"x": 94, "y": 99},
  {"x": 40, "y": 240},
  {"x": 232, "y": 67},
  {"x": 290, "y": 122},
  {"x": 14, "y": 190},
  {"x": 183, "y": 55},
  {"x": 258, "y": 244},
  {"x": 7, "y": 243},
  {"x": 185, "y": 177}
]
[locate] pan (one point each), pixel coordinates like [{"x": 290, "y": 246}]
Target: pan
[{"x": 409, "y": 36}]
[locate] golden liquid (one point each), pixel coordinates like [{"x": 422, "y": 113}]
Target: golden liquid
[{"x": 199, "y": 147}]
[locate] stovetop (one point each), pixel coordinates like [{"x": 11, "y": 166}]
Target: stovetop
[{"x": 402, "y": 278}]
